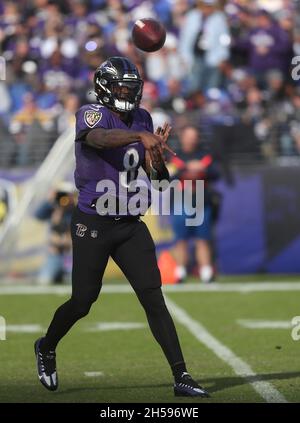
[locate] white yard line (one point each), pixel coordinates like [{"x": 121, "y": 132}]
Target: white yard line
[
  {"x": 29, "y": 328},
  {"x": 243, "y": 287},
  {"x": 94, "y": 327},
  {"x": 265, "y": 389},
  {"x": 93, "y": 374},
  {"x": 265, "y": 324},
  {"x": 109, "y": 326}
]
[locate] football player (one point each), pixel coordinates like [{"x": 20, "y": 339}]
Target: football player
[{"x": 114, "y": 137}]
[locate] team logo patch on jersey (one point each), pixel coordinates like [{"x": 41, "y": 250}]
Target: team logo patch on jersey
[
  {"x": 94, "y": 234},
  {"x": 91, "y": 118},
  {"x": 81, "y": 229}
]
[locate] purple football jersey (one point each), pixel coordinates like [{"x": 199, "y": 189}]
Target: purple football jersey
[{"x": 119, "y": 166}]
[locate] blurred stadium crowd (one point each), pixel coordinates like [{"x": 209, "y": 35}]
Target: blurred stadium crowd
[{"x": 226, "y": 67}]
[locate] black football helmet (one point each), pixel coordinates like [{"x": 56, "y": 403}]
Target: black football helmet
[{"x": 118, "y": 84}]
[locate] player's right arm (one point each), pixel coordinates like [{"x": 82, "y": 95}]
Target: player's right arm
[
  {"x": 94, "y": 128},
  {"x": 101, "y": 138}
]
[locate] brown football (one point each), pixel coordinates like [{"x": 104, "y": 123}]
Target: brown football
[{"x": 148, "y": 34}]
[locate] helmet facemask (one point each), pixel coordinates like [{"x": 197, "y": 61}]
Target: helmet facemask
[
  {"x": 127, "y": 94},
  {"x": 122, "y": 95}
]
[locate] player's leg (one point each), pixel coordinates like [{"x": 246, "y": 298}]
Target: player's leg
[
  {"x": 137, "y": 259},
  {"x": 203, "y": 247},
  {"x": 180, "y": 250},
  {"x": 90, "y": 256}
]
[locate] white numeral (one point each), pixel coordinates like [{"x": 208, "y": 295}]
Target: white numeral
[{"x": 130, "y": 163}]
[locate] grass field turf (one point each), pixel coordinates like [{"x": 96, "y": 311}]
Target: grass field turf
[{"x": 133, "y": 366}]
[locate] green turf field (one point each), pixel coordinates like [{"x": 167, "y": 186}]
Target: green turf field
[{"x": 236, "y": 342}]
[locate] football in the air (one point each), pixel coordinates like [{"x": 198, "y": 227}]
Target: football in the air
[{"x": 148, "y": 34}]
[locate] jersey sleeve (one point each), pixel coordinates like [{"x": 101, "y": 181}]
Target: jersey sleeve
[{"x": 90, "y": 117}]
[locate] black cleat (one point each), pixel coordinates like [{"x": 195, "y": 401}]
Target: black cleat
[
  {"x": 46, "y": 367},
  {"x": 187, "y": 387}
]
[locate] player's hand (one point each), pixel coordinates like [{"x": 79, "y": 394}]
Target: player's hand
[
  {"x": 163, "y": 133},
  {"x": 157, "y": 160},
  {"x": 155, "y": 144},
  {"x": 151, "y": 142}
]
